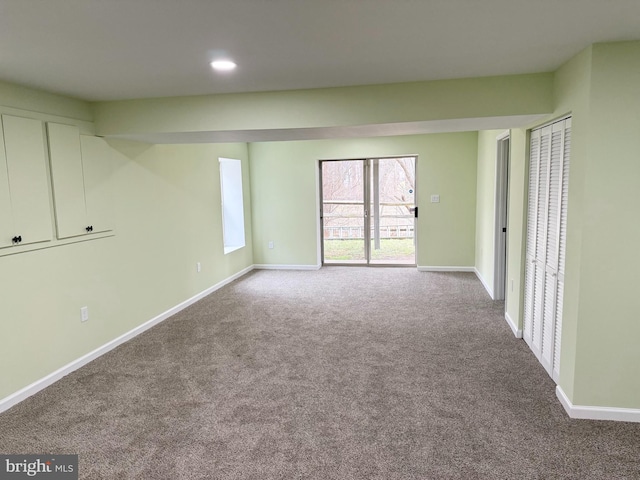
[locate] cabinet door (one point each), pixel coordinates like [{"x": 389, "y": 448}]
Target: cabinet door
[
  {"x": 96, "y": 162},
  {"x": 68, "y": 182},
  {"x": 6, "y": 219},
  {"x": 27, "y": 173}
]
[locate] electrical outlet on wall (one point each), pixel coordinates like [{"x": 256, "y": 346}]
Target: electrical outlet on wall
[
  {"x": 271, "y": 244},
  {"x": 84, "y": 314}
]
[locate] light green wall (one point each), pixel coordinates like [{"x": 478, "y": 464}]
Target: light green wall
[
  {"x": 516, "y": 225},
  {"x": 485, "y": 205},
  {"x": 284, "y": 192},
  {"x": 17, "y": 96},
  {"x": 607, "y": 352},
  {"x": 167, "y": 208},
  {"x": 331, "y": 107}
]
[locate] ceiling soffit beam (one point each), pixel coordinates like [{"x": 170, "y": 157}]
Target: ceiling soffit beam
[
  {"x": 344, "y": 107},
  {"x": 321, "y": 133}
]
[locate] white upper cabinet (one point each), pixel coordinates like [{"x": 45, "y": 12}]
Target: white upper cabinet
[
  {"x": 25, "y": 212},
  {"x": 96, "y": 162},
  {"x": 80, "y": 171},
  {"x": 6, "y": 216},
  {"x": 68, "y": 182}
]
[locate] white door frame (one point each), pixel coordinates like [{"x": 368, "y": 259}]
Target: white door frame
[{"x": 500, "y": 218}]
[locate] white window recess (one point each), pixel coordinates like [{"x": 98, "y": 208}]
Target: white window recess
[
  {"x": 232, "y": 204},
  {"x": 550, "y": 148}
]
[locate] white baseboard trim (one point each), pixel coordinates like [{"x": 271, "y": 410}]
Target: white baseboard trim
[
  {"x": 516, "y": 331},
  {"x": 268, "y": 266},
  {"x": 484, "y": 283},
  {"x": 444, "y": 269},
  {"x": 597, "y": 413},
  {"x": 24, "y": 393}
]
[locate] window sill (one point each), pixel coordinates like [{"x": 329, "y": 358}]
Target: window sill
[{"x": 232, "y": 249}]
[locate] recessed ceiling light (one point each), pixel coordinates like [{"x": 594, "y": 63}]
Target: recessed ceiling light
[{"x": 223, "y": 65}]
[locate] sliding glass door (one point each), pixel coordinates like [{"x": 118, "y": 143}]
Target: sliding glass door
[
  {"x": 343, "y": 211},
  {"x": 368, "y": 211}
]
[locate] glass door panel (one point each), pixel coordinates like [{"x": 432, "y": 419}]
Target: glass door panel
[
  {"x": 392, "y": 207},
  {"x": 343, "y": 212}
]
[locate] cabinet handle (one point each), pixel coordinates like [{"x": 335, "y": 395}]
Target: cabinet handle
[
  {"x": 17, "y": 239},
  {"x": 89, "y": 228}
]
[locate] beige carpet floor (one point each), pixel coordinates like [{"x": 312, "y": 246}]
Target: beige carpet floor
[{"x": 342, "y": 373}]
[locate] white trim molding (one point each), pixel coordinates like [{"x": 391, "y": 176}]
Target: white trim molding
[
  {"x": 516, "y": 331},
  {"x": 597, "y": 413},
  {"x": 500, "y": 217},
  {"x": 268, "y": 266},
  {"x": 484, "y": 283},
  {"x": 504, "y": 135},
  {"x": 24, "y": 393},
  {"x": 318, "y": 182},
  {"x": 445, "y": 269}
]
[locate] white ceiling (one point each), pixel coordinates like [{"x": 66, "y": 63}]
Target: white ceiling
[{"x": 120, "y": 49}]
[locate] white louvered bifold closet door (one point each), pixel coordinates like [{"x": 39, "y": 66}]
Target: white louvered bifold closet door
[
  {"x": 540, "y": 244},
  {"x": 562, "y": 246},
  {"x": 529, "y": 270},
  {"x": 546, "y": 241}
]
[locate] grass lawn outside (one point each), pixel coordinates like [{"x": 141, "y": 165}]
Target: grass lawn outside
[{"x": 392, "y": 250}]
